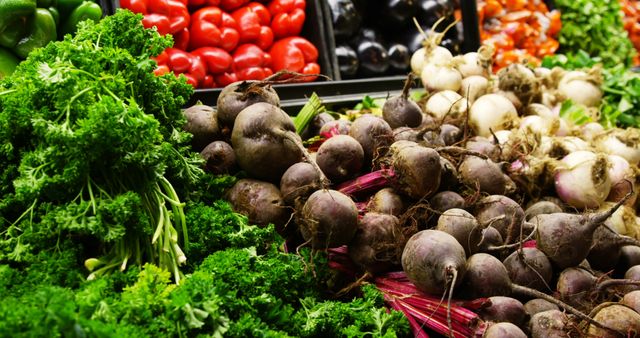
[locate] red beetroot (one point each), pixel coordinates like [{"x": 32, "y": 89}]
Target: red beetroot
[
  {"x": 328, "y": 219},
  {"x": 377, "y": 245}
]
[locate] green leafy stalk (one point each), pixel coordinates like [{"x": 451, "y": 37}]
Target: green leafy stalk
[{"x": 312, "y": 108}]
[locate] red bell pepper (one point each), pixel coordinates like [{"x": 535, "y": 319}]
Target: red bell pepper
[
  {"x": 217, "y": 59},
  {"x": 253, "y": 21},
  {"x": 200, "y": 3},
  {"x": 181, "y": 39},
  {"x": 297, "y": 55},
  {"x": 225, "y": 79},
  {"x": 251, "y": 63},
  {"x": 229, "y": 5},
  {"x": 181, "y": 62},
  {"x": 208, "y": 82},
  {"x": 288, "y": 17},
  {"x": 158, "y": 12},
  {"x": 210, "y": 27}
]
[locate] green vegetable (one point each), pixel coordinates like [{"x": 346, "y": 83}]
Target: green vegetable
[
  {"x": 312, "y": 108},
  {"x": 91, "y": 146},
  {"x": 8, "y": 63},
  {"x": 595, "y": 26},
  {"x": 87, "y": 10},
  {"x": 42, "y": 30},
  {"x": 14, "y": 15}
]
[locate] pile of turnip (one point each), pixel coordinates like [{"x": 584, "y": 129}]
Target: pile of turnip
[{"x": 479, "y": 190}]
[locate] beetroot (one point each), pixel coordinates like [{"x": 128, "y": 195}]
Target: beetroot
[
  {"x": 632, "y": 300},
  {"x": 574, "y": 286},
  {"x": 449, "y": 174},
  {"x": 629, "y": 256},
  {"x": 529, "y": 267},
  {"x": 240, "y": 95},
  {"x": 260, "y": 201},
  {"x": 318, "y": 121},
  {"x": 494, "y": 206},
  {"x": 566, "y": 238},
  {"x": 377, "y": 245},
  {"x": 460, "y": 224},
  {"x": 541, "y": 207},
  {"x": 340, "y": 157},
  {"x": 617, "y": 317},
  {"x": 504, "y": 330},
  {"x": 504, "y": 309},
  {"x": 413, "y": 171},
  {"x": 373, "y": 133},
  {"x": 405, "y": 134},
  {"x": 446, "y": 200},
  {"x": 450, "y": 134},
  {"x": 387, "y": 201},
  {"x": 299, "y": 181},
  {"x": 537, "y": 305},
  {"x": 328, "y": 219},
  {"x": 633, "y": 274},
  {"x": 337, "y": 127},
  {"x": 433, "y": 260},
  {"x": 605, "y": 251},
  {"x": 486, "y": 277},
  {"x": 485, "y": 175},
  {"x": 202, "y": 122},
  {"x": 549, "y": 324},
  {"x": 484, "y": 146},
  {"x": 400, "y": 111},
  {"x": 219, "y": 158}
]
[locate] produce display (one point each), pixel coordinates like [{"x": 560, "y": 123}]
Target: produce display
[
  {"x": 473, "y": 200},
  {"x": 218, "y": 42},
  {"x": 379, "y": 40},
  {"x": 631, "y": 10},
  {"x": 29, "y": 24},
  {"x": 519, "y": 31}
]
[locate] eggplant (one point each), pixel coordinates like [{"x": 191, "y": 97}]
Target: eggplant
[
  {"x": 413, "y": 39},
  {"x": 373, "y": 57},
  {"x": 345, "y": 17},
  {"x": 432, "y": 10},
  {"x": 397, "y": 13},
  {"x": 399, "y": 58},
  {"x": 452, "y": 45},
  {"x": 366, "y": 33},
  {"x": 347, "y": 61}
]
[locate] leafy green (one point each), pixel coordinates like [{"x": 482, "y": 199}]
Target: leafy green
[
  {"x": 91, "y": 142},
  {"x": 595, "y": 26}
]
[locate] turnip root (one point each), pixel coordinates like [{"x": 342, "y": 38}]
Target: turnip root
[
  {"x": 446, "y": 200},
  {"x": 260, "y": 201},
  {"x": 340, "y": 127},
  {"x": 503, "y": 330},
  {"x": 431, "y": 52},
  {"x": 582, "y": 179},
  {"x": 239, "y": 95},
  {"x": 541, "y": 110},
  {"x": 521, "y": 81},
  {"x": 632, "y": 300},
  {"x": 529, "y": 267},
  {"x": 504, "y": 309},
  {"x": 401, "y": 111},
  {"x": 492, "y": 112},
  {"x": 387, "y": 201},
  {"x": 581, "y": 88},
  {"x": 548, "y": 324},
  {"x": 414, "y": 172},
  {"x": 540, "y": 208},
  {"x": 624, "y": 179},
  {"x": 446, "y": 103},
  {"x": 617, "y": 317},
  {"x": 559, "y": 147},
  {"x": 485, "y": 175},
  {"x": 469, "y": 64},
  {"x": 374, "y": 135},
  {"x": 378, "y": 243},
  {"x": 437, "y": 78},
  {"x": 299, "y": 181},
  {"x": 473, "y": 87},
  {"x": 538, "y": 305},
  {"x": 537, "y": 125},
  {"x": 624, "y": 143},
  {"x": 340, "y": 157},
  {"x": 493, "y": 206},
  {"x": 219, "y": 158},
  {"x": 265, "y": 141},
  {"x": 328, "y": 219},
  {"x": 590, "y": 131},
  {"x": 574, "y": 286},
  {"x": 433, "y": 260},
  {"x": 566, "y": 238},
  {"x": 202, "y": 122}
]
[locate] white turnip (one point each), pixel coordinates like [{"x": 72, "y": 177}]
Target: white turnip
[
  {"x": 446, "y": 103},
  {"x": 581, "y": 88},
  {"x": 582, "y": 179},
  {"x": 492, "y": 112},
  {"x": 473, "y": 87}
]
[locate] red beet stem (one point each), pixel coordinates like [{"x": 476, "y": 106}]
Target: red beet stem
[
  {"x": 367, "y": 183},
  {"x": 429, "y": 321},
  {"x": 418, "y": 332}
]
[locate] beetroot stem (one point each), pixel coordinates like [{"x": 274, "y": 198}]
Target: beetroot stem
[{"x": 369, "y": 182}]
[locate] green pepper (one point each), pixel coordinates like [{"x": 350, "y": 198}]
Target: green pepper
[
  {"x": 65, "y": 7},
  {"x": 8, "y": 63},
  {"x": 88, "y": 10},
  {"x": 56, "y": 14},
  {"x": 14, "y": 15},
  {"x": 42, "y": 30},
  {"x": 47, "y": 3}
]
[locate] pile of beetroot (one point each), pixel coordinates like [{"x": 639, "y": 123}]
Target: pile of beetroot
[{"x": 491, "y": 218}]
